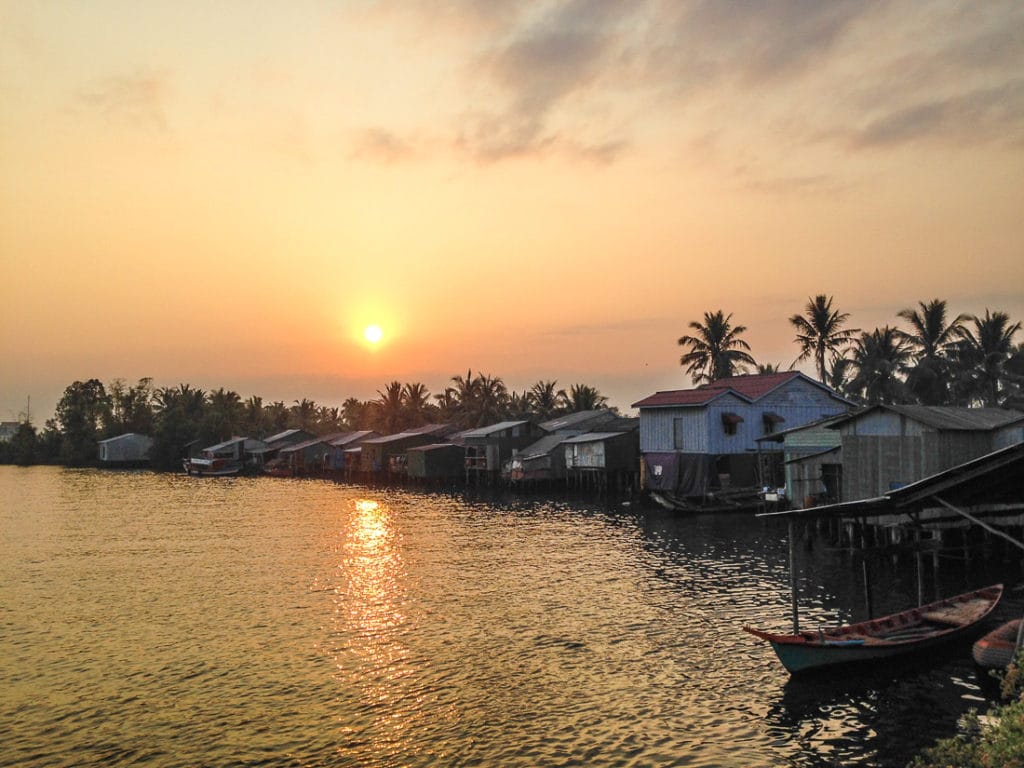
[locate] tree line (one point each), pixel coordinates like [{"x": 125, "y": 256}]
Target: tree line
[
  {"x": 174, "y": 417},
  {"x": 936, "y": 359}
]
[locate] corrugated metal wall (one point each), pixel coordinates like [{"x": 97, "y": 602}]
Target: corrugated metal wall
[{"x": 700, "y": 429}]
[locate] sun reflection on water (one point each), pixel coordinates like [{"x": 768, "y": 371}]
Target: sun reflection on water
[{"x": 373, "y": 656}]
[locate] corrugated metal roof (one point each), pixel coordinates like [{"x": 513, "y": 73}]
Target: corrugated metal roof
[
  {"x": 570, "y": 420},
  {"x": 281, "y": 435},
  {"x": 592, "y": 437},
  {"x": 303, "y": 445},
  {"x": 546, "y": 444},
  {"x": 433, "y": 447},
  {"x": 487, "y": 431},
  {"x": 350, "y": 437},
  {"x": 949, "y": 418},
  {"x": 439, "y": 430},
  {"x": 750, "y": 388}
]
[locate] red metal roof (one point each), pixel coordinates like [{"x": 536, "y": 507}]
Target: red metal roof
[{"x": 749, "y": 387}]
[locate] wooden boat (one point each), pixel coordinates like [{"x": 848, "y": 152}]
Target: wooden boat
[
  {"x": 906, "y": 632},
  {"x": 996, "y": 649},
  {"x": 206, "y": 466}
]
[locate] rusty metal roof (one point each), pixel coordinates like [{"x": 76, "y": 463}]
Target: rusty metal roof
[{"x": 750, "y": 388}]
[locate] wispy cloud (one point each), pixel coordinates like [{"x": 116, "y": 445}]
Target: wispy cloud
[
  {"x": 979, "y": 115},
  {"x": 583, "y": 79},
  {"x": 382, "y": 145},
  {"x": 137, "y": 100}
]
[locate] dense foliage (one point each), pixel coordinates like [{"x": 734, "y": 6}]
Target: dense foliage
[
  {"x": 969, "y": 360},
  {"x": 178, "y": 416},
  {"x": 995, "y": 740}
]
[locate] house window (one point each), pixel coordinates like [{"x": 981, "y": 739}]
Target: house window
[
  {"x": 772, "y": 422},
  {"x": 729, "y": 422},
  {"x": 677, "y": 434}
]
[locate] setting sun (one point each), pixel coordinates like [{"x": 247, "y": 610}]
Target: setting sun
[{"x": 373, "y": 334}]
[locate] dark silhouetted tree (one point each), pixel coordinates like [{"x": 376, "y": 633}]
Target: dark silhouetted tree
[
  {"x": 716, "y": 350},
  {"x": 820, "y": 333}
]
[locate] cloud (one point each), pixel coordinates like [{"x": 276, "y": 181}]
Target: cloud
[
  {"x": 382, "y": 145},
  {"x": 980, "y": 115},
  {"x": 137, "y": 100},
  {"x": 589, "y": 80}
]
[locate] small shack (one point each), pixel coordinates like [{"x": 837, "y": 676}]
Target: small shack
[
  {"x": 539, "y": 462},
  {"x": 344, "y": 450},
  {"x": 307, "y": 458},
  {"x": 125, "y": 450},
  {"x": 384, "y": 457},
  {"x": 885, "y": 447},
  {"x": 487, "y": 448},
  {"x": 603, "y": 459},
  {"x": 435, "y": 464}
]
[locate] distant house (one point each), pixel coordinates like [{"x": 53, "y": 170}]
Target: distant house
[
  {"x": 129, "y": 449},
  {"x": 811, "y": 460},
  {"x": 283, "y": 439},
  {"x": 386, "y": 455},
  {"x": 580, "y": 421},
  {"x": 435, "y": 463},
  {"x": 240, "y": 454},
  {"x": 886, "y": 447},
  {"x": 487, "y": 448},
  {"x": 601, "y": 459},
  {"x": 7, "y": 431},
  {"x": 540, "y": 461},
  {"x": 346, "y": 448},
  {"x": 698, "y": 440},
  {"x": 310, "y": 457}
]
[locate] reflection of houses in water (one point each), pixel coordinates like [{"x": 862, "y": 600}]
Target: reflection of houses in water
[{"x": 702, "y": 445}]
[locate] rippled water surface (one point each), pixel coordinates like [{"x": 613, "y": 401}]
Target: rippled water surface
[{"x": 169, "y": 621}]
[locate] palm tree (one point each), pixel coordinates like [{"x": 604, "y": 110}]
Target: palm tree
[
  {"x": 278, "y": 416},
  {"x": 303, "y": 415},
  {"x": 353, "y": 412},
  {"x": 764, "y": 369},
  {"x": 819, "y": 331},
  {"x": 389, "y": 408},
  {"x": 521, "y": 405},
  {"x": 878, "y": 359},
  {"x": 716, "y": 351},
  {"x": 932, "y": 340},
  {"x": 583, "y": 397},
  {"x": 328, "y": 420},
  {"x": 416, "y": 401},
  {"x": 491, "y": 401},
  {"x": 546, "y": 399},
  {"x": 981, "y": 356},
  {"x": 223, "y": 416}
]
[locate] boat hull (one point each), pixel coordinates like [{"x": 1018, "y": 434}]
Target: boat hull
[
  {"x": 910, "y": 631},
  {"x": 212, "y": 467},
  {"x": 996, "y": 649}
]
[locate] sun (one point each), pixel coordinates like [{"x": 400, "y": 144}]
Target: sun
[{"x": 373, "y": 334}]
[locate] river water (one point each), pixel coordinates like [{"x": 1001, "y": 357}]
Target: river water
[{"x": 156, "y": 619}]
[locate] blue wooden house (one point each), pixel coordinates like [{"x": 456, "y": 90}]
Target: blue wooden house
[{"x": 704, "y": 440}]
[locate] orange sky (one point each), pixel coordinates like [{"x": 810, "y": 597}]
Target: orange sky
[{"x": 226, "y": 194}]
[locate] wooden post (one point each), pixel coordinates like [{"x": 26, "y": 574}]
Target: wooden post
[
  {"x": 792, "y": 579},
  {"x": 867, "y": 585}
]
